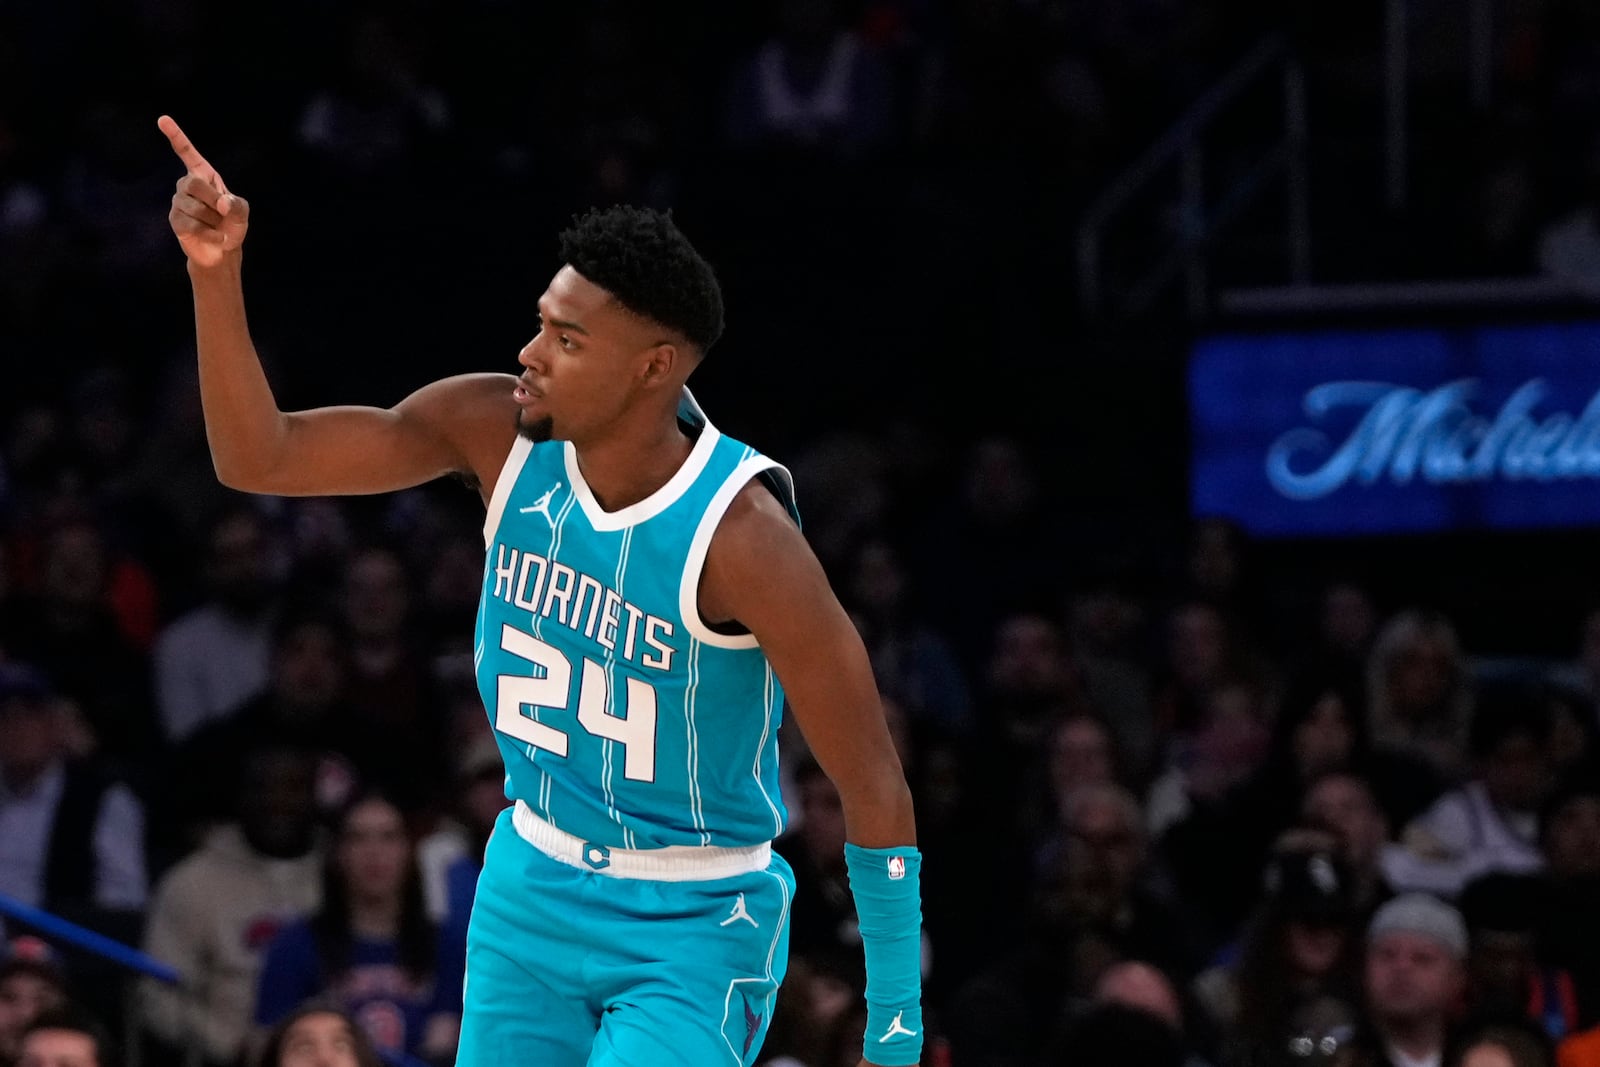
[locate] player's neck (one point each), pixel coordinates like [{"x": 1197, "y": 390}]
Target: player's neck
[{"x": 626, "y": 467}]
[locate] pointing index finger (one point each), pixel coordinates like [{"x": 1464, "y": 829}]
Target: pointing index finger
[{"x": 188, "y": 153}]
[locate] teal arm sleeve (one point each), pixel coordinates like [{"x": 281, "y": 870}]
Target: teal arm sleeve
[{"x": 887, "y": 884}]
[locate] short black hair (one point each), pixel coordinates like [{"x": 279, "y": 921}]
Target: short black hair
[
  {"x": 639, "y": 256},
  {"x": 271, "y": 1053}
]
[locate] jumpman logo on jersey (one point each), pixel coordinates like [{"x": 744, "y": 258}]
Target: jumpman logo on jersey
[
  {"x": 897, "y": 1029},
  {"x": 740, "y": 913},
  {"x": 542, "y": 506}
]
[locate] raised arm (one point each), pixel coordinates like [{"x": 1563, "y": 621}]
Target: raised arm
[
  {"x": 462, "y": 425},
  {"x": 761, "y": 572}
]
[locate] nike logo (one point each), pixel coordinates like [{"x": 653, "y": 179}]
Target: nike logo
[
  {"x": 897, "y": 1029},
  {"x": 740, "y": 914}
]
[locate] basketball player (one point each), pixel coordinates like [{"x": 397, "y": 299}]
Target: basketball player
[{"x": 646, "y": 588}]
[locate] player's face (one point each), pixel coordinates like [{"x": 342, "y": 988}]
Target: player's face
[{"x": 587, "y": 364}]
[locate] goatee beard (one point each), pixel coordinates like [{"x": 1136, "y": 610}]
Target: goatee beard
[{"x": 538, "y": 431}]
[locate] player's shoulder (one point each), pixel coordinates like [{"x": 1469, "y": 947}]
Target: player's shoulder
[
  {"x": 757, "y": 528},
  {"x": 764, "y": 498}
]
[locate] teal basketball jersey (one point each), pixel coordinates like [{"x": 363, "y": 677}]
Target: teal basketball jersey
[{"x": 623, "y": 718}]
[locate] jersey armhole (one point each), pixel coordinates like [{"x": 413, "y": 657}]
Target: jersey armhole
[
  {"x": 774, "y": 477},
  {"x": 521, "y": 449}
]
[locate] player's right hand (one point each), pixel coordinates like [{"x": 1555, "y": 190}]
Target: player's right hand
[{"x": 210, "y": 221}]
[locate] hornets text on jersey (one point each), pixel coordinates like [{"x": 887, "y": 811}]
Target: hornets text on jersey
[{"x": 623, "y": 718}]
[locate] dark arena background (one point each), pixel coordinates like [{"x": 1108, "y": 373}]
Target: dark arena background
[{"x": 1196, "y": 404}]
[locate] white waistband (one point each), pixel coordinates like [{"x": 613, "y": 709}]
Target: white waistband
[{"x": 674, "y": 863}]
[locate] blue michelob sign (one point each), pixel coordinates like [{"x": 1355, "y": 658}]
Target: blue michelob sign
[{"x": 1398, "y": 431}]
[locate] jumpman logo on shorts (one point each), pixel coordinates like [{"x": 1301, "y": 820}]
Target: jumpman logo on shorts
[
  {"x": 897, "y": 1029},
  {"x": 542, "y": 506},
  {"x": 740, "y": 913}
]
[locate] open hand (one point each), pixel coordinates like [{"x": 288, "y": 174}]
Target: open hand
[{"x": 210, "y": 221}]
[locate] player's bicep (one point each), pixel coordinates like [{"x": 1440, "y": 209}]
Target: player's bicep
[
  {"x": 453, "y": 426},
  {"x": 761, "y": 572}
]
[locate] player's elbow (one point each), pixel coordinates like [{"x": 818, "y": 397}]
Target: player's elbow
[
  {"x": 239, "y": 476},
  {"x": 248, "y": 470}
]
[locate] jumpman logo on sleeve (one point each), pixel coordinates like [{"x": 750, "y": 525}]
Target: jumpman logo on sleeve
[
  {"x": 897, "y": 1029},
  {"x": 740, "y": 914},
  {"x": 542, "y": 506}
]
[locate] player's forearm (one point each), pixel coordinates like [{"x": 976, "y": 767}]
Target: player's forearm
[
  {"x": 243, "y": 424},
  {"x": 885, "y": 871},
  {"x": 879, "y": 813}
]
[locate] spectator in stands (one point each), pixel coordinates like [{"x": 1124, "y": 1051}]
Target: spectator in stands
[
  {"x": 317, "y": 1035},
  {"x": 1134, "y": 984},
  {"x": 1343, "y": 804},
  {"x": 1505, "y": 1044},
  {"x": 371, "y": 947},
  {"x": 1094, "y": 907},
  {"x": 1569, "y": 928},
  {"x": 1490, "y": 823},
  {"x": 1319, "y": 727},
  {"x": 216, "y": 911},
  {"x": 304, "y": 702},
  {"x": 1079, "y": 751},
  {"x": 31, "y": 983},
  {"x": 1415, "y": 977},
  {"x": 1204, "y": 651},
  {"x": 71, "y": 633},
  {"x": 1347, "y": 621},
  {"x": 66, "y": 1036},
  {"x": 451, "y": 855},
  {"x": 1299, "y": 946},
  {"x": 71, "y": 835},
  {"x": 1193, "y": 810},
  {"x": 1506, "y": 981},
  {"x": 391, "y": 689},
  {"x": 216, "y": 656},
  {"x": 1106, "y": 619},
  {"x": 909, "y": 658},
  {"x": 1574, "y": 740},
  {"x": 1418, "y": 695}
]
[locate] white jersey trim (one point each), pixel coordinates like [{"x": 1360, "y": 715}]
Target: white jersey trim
[
  {"x": 516, "y": 459},
  {"x": 650, "y": 506},
  {"x": 689, "y": 590}
]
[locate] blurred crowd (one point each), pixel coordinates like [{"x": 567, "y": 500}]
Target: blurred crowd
[{"x": 1173, "y": 812}]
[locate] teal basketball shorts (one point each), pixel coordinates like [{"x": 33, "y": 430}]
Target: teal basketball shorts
[{"x": 583, "y": 956}]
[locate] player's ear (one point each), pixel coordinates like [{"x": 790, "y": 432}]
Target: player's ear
[{"x": 661, "y": 361}]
